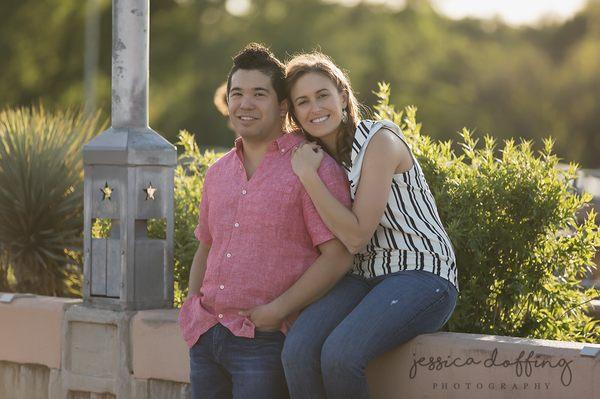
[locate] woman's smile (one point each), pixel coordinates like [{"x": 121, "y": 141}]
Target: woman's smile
[{"x": 320, "y": 119}]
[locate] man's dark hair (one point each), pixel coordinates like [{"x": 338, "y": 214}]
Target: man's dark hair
[{"x": 258, "y": 57}]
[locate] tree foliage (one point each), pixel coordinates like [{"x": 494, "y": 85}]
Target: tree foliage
[{"x": 514, "y": 82}]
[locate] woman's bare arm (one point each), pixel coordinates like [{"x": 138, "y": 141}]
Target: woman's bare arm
[{"x": 386, "y": 155}]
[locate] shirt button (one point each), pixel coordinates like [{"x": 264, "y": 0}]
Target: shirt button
[
  {"x": 244, "y": 192},
  {"x": 236, "y": 225},
  {"x": 220, "y": 316},
  {"x": 282, "y": 150},
  {"x": 228, "y": 255},
  {"x": 222, "y": 287}
]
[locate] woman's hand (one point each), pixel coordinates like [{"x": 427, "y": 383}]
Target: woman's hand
[
  {"x": 306, "y": 159},
  {"x": 265, "y": 317}
]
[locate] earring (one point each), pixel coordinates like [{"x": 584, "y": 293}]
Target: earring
[{"x": 344, "y": 116}]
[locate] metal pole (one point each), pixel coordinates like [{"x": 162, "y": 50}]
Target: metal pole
[{"x": 130, "y": 64}]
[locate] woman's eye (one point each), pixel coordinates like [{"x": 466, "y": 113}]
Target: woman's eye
[{"x": 323, "y": 95}]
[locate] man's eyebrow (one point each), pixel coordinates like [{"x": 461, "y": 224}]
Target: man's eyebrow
[{"x": 259, "y": 88}]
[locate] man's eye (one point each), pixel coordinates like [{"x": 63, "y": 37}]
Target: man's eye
[
  {"x": 259, "y": 94},
  {"x": 301, "y": 102},
  {"x": 234, "y": 94}
]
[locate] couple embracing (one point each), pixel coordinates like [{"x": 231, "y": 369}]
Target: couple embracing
[{"x": 319, "y": 248}]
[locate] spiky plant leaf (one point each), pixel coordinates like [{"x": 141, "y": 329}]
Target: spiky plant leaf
[{"x": 41, "y": 178}]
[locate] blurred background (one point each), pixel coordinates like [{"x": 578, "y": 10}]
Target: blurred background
[{"x": 506, "y": 68}]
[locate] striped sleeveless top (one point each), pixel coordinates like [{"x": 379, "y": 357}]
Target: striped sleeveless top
[{"x": 410, "y": 234}]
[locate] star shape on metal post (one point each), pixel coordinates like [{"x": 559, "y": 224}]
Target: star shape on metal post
[
  {"x": 106, "y": 192},
  {"x": 150, "y": 191}
]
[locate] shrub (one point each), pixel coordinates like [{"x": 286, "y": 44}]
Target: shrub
[
  {"x": 41, "y": 199},
  {"x": 511, "y": 217},
  {"x": 189, "y": 181}
]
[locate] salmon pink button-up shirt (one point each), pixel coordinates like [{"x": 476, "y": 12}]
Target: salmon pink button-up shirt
[{"x": 263, "y": 235}]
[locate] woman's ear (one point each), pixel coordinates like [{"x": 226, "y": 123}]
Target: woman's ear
[{"x": 344, "y": 99}]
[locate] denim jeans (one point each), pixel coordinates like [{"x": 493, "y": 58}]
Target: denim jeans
[
  {"x": 223, "y": 366},
  {"x": 328, "y": 347}
]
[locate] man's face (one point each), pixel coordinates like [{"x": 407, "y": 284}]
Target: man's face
[{"x": 254, "y": 110}]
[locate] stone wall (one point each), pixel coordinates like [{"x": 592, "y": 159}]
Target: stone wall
[
  {"x": 55, "y": 348},
  {"x": 29, "y": 381}
]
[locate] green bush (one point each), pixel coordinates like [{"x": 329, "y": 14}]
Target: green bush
[
  {"x": 511, "y": 217},
  {"x": 189, "y": 181},
  {"x": 509, "y": 213},
  {"x": 41, "y": 199}
]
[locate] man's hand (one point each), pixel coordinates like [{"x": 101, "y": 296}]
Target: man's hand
[{"x": 265, "y": 317}]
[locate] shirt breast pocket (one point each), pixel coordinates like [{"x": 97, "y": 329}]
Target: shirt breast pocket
[{"x": 283, "y": 206}]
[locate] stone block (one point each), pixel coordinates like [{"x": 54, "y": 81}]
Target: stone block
[
  {"x": 93, "y": 349},
  {"x": 23, "y": 381},
  {"x": 96, "y": 357},
  {"x": 32, "y": 329},
  {"x": 159, "y": 351}
]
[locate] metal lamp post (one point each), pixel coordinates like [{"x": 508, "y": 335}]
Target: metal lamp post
[{"x": 128, "y": 179}]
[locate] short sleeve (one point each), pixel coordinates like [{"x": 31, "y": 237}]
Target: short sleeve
[
  {"x": 334, "y": 177},
  {"x": 202, "y": 231}
]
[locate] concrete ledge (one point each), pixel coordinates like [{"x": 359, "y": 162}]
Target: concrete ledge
[
  {"x": 159, "y": 351},
  {"x": 31, "y": 330},
  {"x": 153, "y": 360},
  {"x": 440, "y": 365},
  {"x": 451, "y": 365},
  {"x": 24, "y": 381}
]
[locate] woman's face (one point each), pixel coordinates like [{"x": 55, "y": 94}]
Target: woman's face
[{"x": 318, "y": 105}]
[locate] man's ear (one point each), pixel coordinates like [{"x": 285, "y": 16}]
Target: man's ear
[{"x": 283, "y": 107}]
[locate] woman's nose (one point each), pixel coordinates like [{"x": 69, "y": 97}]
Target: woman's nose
[{"x": 315, "y": 106}]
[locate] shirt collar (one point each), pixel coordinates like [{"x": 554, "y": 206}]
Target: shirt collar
[{"x": 283, "y": 144}]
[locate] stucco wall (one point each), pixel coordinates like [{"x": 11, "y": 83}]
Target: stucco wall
[{"x": 151, "y": 360}]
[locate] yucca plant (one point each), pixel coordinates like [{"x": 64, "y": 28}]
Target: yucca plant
[{"x": 41, "y": 198}]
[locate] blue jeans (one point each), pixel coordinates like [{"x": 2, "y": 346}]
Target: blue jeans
[
  {"x": 328, "y": 347},
  {"x": 223, "y": 366}
]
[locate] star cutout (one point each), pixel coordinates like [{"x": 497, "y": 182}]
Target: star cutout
[
  {"x": 150, "y": 191},
  {"x": 106, "y": 192}
]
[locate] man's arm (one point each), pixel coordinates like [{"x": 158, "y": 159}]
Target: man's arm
[
  {"x": 333, "y": 263},
  {"x": 198, "y": 269}
]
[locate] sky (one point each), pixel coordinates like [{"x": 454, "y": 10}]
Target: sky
[{"x": 513, "y": 12}]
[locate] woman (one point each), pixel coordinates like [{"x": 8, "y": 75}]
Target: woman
[{"x": 403, "y": 281}]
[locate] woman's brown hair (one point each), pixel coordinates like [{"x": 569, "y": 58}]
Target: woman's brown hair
[{"x": 320, "y": 63}]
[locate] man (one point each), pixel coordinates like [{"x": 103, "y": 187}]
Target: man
[{"x": 264, "y": 253}]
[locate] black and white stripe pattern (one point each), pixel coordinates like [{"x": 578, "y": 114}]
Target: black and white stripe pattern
[{"x": 410, "y": 235}]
